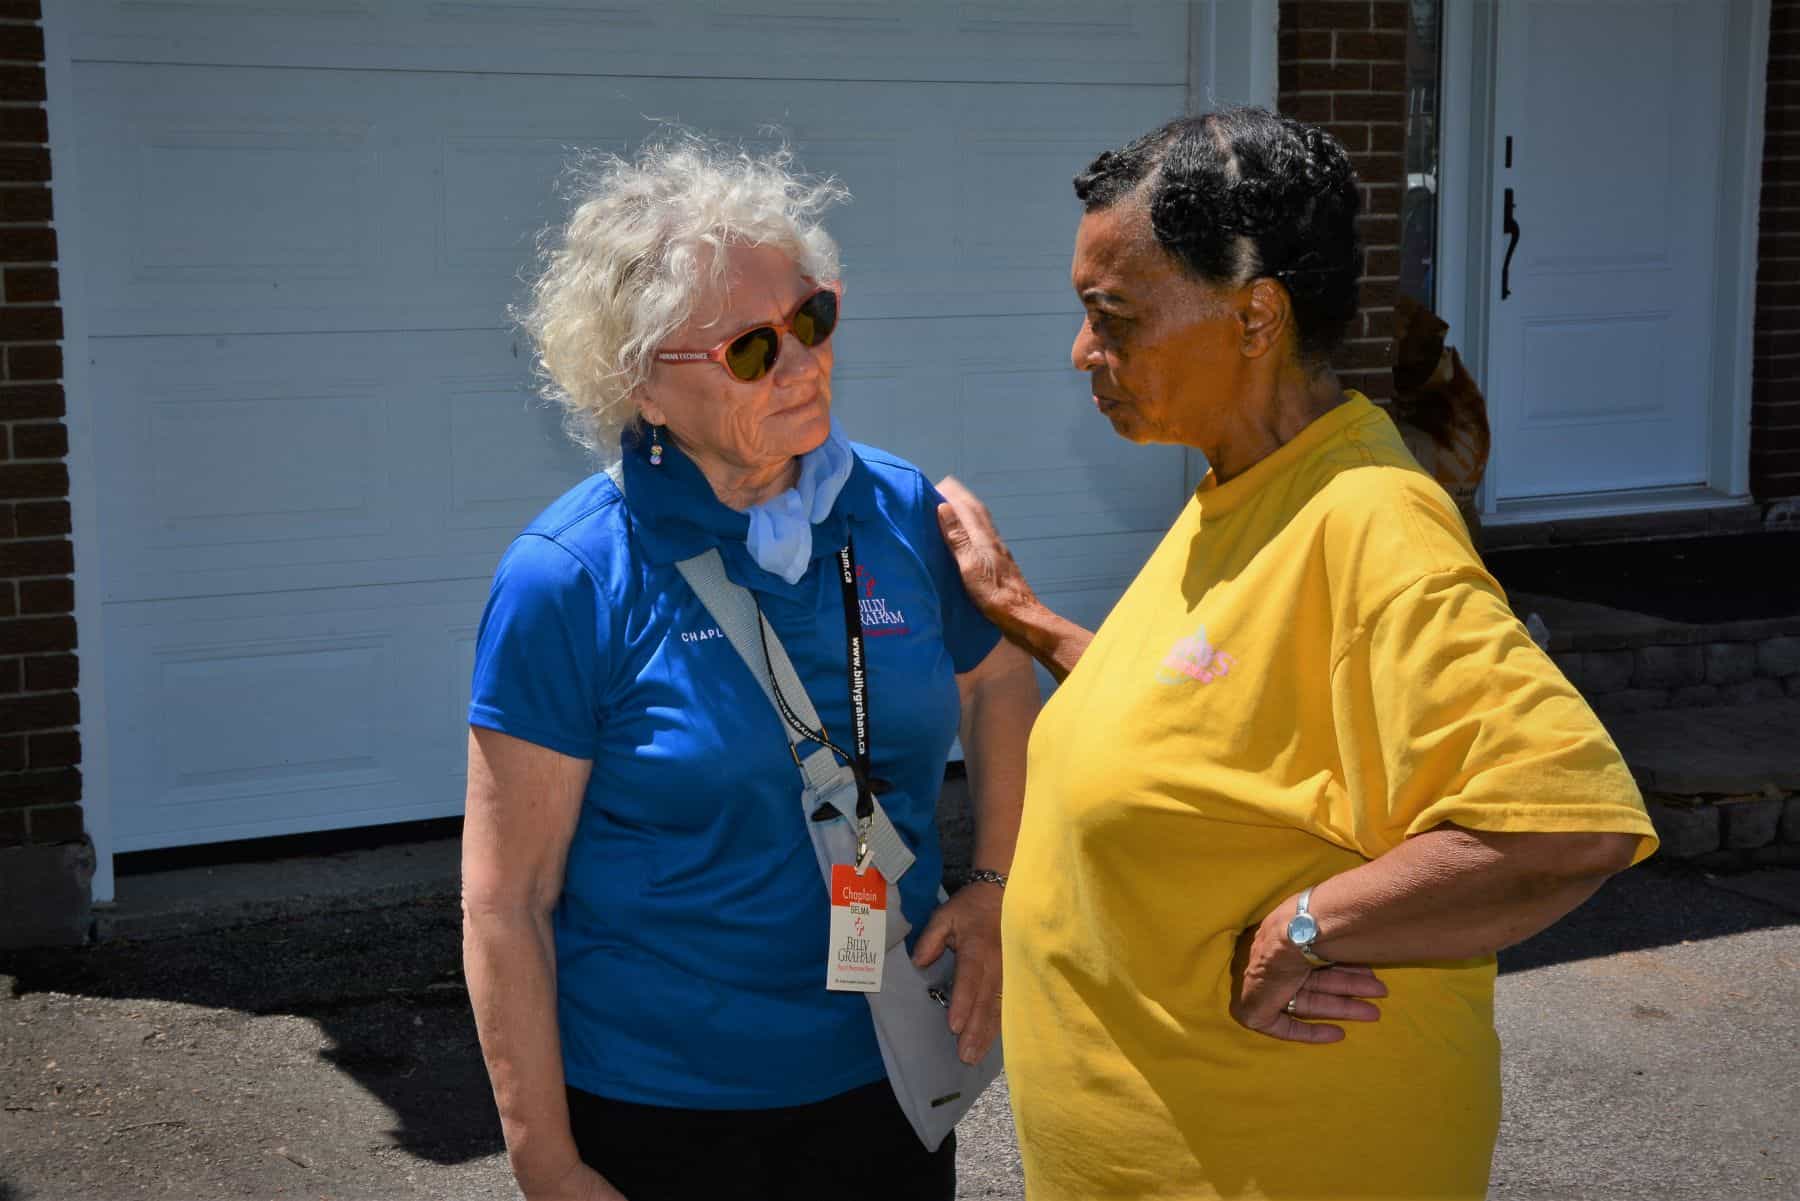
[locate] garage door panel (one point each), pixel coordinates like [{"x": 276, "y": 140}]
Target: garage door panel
[
  {"x": 890, "y": 217},
  {"x": 508, "y": 457},
  {"x": 210, "y": 448},
  {"x": 887, "y": 402},
  {"x": 307, "y": 206},
  {"x": 242, "y": 469},
  {"x": 1048, "y": 41},
  {"x": 1095, "y": 563},
  {"x": 294, "y": 712},
  {"x": 1024, "y": 174},
  {"x": 995, "y": 401},
  {"x": 410, "y": 201},
  {"x": 247, "y": 464},
  {"x": 314, "y": 428},
  {"x": 1048, "y": 465},
  {"x": 286, "y": 739},
  {"x": 353, "y": 460},
  {"x": 497, "y": 193},
  {"x": 250, "y": 200}
]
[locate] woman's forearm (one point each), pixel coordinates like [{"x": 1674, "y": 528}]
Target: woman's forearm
[
  {"x": 996, "y": 725},
  {"x": 1048, "y": 637},
  {"x": 1451, "y": 894},
  {"x": 509, "y": 961}
]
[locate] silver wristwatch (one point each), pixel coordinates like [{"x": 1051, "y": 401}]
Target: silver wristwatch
[{"x": 1303, "y": 931}]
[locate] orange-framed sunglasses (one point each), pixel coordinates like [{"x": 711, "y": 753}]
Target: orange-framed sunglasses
[{"x": 752, "y": 354}]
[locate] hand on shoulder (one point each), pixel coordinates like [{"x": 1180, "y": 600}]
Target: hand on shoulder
[{"x": 990, "y": 574}]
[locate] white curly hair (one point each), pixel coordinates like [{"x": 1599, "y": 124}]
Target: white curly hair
[{"x": 642, "y": 244}]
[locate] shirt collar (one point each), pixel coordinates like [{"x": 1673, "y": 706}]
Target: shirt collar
[
  {"x": 675, "y": 515},
  {"x": 1217, "y": 499}
]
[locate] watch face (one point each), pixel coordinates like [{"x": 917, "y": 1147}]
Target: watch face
[{"x": 1302, "y": 930}]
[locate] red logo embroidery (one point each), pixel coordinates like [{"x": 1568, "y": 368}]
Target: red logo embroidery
[{"x": 878, "y": 621}]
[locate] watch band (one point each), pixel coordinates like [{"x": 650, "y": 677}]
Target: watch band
[
  {"x": 982, "y": 875},
  {"x": 1305, "y": 948},
  {"x": 1314, "y": 958}
]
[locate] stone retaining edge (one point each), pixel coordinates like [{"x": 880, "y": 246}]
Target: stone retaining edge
[{"x": 1728, "y": 831}]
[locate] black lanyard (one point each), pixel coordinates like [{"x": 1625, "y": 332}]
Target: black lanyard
[{"x": 858, "y": 673}]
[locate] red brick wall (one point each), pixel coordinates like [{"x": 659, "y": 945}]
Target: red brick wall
[
  {"x": 40, "y": 782},
  {"x": 1343, "y": 66},
  {"x": 1775, "y": 394}
]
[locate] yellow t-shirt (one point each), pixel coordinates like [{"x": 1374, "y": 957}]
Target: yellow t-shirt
[{"x": 1312, "y": 666}]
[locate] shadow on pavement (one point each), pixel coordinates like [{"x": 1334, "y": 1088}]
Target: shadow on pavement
[
  {"x": 1654, "y": 905},
  {"x": 385, "y": 987}
]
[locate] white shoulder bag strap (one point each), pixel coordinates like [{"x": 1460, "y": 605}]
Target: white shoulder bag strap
[{"x": 732, "y": 606}]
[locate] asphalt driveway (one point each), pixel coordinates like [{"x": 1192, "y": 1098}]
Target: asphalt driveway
[{"x": 1652, "y": 1051}]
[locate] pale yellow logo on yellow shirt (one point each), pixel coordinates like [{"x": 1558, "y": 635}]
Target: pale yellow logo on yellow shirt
[{"x": 1194, "y": 659}]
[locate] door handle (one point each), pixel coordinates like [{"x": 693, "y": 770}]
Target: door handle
[{"x": 1510, "y": 227}]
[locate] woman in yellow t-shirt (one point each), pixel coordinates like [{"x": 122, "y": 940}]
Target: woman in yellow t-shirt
[{"x": 1310, "y": 771}]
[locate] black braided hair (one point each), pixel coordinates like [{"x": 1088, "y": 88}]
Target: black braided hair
[{"x": 1285, "y": 188}]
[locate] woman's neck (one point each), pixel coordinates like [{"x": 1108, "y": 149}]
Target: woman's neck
[
  {"x": 1290, "y": 401},
  {"x": 743, "y": 488}
]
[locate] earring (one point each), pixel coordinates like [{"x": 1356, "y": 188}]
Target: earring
[{"x": 656, "y": 446}]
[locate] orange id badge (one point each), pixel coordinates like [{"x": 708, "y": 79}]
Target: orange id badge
[{"x": 858, "y": 929}]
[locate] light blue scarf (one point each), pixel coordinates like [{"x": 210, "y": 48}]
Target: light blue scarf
[{"x": 780, "y": 538}]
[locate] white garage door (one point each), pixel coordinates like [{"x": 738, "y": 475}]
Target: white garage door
[{"x": 300, "y": 226}]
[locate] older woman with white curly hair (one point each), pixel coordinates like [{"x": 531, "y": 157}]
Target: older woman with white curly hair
[{"x": 647, "y": 933}]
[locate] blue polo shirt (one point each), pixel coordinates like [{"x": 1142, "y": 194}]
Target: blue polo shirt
[{"x": 691, "y": 934}]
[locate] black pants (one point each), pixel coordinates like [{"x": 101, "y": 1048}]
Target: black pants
[{"x": 854, "y": 1145}]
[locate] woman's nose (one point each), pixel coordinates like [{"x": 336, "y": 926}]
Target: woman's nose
[
  {"x": 1084, "y": 354},
  {"x": 796, "y": 359}
]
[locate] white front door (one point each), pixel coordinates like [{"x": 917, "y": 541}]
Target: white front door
[{"x": 1606, "y": 140}]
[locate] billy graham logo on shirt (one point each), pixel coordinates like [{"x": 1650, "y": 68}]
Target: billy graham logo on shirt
[
  {"x": 1194, "y": 659},
  {"x": 878, "y": 620}
]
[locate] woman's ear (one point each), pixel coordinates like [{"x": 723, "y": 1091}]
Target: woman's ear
[
  {"x": 1265, "y": 314},
  {"x": 648, "y": 411}
]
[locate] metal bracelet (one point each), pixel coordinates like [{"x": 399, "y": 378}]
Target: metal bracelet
[{"x": 986, "y": 876}]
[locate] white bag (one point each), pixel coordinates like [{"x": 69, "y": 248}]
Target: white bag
[
  {"x": 933, "y": 1085},
  {"x": 931, "y": 1082}
]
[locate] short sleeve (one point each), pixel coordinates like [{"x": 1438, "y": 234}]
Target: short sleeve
[
  {"x": 969, "y": 636},
  {"x": 1446, "y": 711},
  {"x": 540, "y": 654}
]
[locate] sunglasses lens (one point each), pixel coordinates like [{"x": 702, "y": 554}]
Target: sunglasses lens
[
  {"x": 750, "y": 356},
  {"x": 816, "y": 318}
]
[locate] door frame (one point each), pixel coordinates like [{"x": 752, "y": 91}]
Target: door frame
[
  {"x": 1466, "y": 214},
  {"x": 84, "y": 478},
  {"x": 1246, "y": 73}
]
